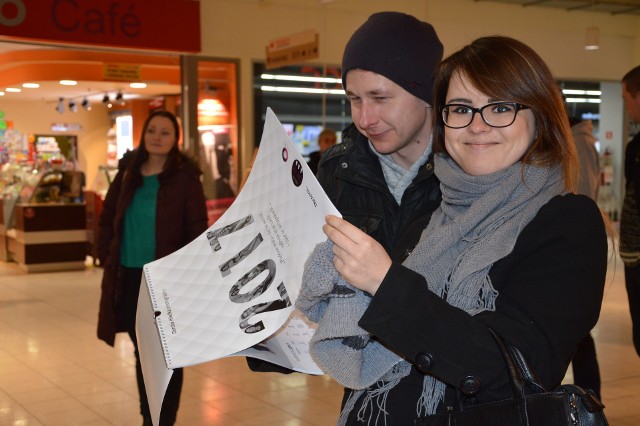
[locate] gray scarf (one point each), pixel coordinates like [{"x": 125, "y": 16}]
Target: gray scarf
[{"x": 476, "y": 225}]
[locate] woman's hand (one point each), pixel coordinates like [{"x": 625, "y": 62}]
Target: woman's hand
[{"x": 360, "y": 259}]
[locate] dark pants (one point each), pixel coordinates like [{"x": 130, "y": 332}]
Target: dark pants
[
  {"x": 586, "y": 372},
  {"x": 632, "y": 282},
  {"x": 169, "y": 411}
]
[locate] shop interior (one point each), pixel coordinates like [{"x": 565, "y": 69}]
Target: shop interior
[{"x": 69, "y": 114}]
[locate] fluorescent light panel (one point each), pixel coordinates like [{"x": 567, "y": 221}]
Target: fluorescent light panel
[
  {"x": 300, "y": 78},
  {"x": 583, "y": 100},
  {"x": 307, "y": 90},
  {"x": 582, "y": 92}
]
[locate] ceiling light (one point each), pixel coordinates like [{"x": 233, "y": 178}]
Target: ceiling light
[
  {"x": 212, "y": 108},
  {"x": 138, "y": 85},
  {"x": 1, "y": 93},
  {"x": 13, "y": 89},
  {"x": 300, "y": 78},
  {"x": 30, "y": 85},
  {"x": 60, "y": 107},
  {"x": 107, "y": 101},
  {"x": 581, "y": 92},
  {"x": 86, "y": 105},
  {"x": 302, "y": 90},
  {"x": 72, "y": 106},
  {"x": 592, "y": 38},
  {"x": 68, "y": 82},
  {"x": 584, "y": 100}
]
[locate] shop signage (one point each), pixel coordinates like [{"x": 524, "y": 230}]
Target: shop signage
[
  {"x": 293, "y": 49},
  {"x": 169, "y": 25},
  {"x": 65, "y": 127},
  {"x": 122, "y": 72}
]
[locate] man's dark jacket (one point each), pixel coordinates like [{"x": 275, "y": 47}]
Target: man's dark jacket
[{"x": 351, "y": 175}]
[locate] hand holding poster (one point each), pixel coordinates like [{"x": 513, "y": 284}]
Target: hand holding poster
[{"x": 234, "y": 286}]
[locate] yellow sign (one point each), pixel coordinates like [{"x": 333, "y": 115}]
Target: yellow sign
[
  {"x": 293, "y": 49},
  {"x": 121, "y": 72}
]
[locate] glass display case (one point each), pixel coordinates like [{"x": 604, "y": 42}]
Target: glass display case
[
  {"x": 45, "y": 220},
  {"x": 56, "y": 186}
]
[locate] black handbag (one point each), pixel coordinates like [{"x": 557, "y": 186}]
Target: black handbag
[{"x": 531, "y": 405}]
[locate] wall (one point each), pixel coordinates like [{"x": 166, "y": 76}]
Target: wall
[
  {"x": 242, "y": 28},
  {"x": 37, "y": 117}
]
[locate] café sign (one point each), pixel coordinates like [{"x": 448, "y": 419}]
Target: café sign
[{"x": 137, "y": 24}]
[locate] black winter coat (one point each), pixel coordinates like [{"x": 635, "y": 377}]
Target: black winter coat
[
  {"x": 550, "y": 293},
  {"x": 351, "y": 175},
  {"x": 181, "y": 216}
]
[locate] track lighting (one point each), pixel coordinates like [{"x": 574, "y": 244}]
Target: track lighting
[
  {"x": 120, "y": 98},
  {"x": 86, "y": 105},
  {"x": 72, "y": 106},
  {"x": 107, "y": 101},
  {"x": 60, "y": 107}
]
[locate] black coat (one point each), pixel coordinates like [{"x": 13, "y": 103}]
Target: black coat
[
  {"x": 550, "y": 293},
  {"x": 181, "y": 215},
  {"x": 351, "y": 175}
]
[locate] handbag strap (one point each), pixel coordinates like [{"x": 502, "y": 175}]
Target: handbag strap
[{"x": 523, "y": 379}]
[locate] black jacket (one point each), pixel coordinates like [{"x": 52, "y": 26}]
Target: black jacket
[
  {"x": 181, "y": 215},
  {"x": 550, "y": 293},
  {"x": 351, "y": 175}
]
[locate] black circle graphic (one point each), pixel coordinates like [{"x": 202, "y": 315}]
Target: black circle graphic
[{"x": 296, "y": 173}]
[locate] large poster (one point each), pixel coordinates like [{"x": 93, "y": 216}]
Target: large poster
[{"x": 231, "y": 291}]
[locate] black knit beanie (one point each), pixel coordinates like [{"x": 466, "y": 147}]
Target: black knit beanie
[{"x": 399, "y": 47}]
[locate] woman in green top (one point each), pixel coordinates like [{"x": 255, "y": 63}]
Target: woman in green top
[{"x": 154, "y": 206}]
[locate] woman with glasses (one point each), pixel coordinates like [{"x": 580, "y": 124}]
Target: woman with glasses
[{"x": 511, "y": 248}]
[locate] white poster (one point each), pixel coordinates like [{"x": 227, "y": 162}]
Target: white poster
[{"x": 231, "y": 291}]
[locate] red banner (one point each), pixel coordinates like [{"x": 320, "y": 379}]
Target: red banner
[{"x": 170, "y": 25}]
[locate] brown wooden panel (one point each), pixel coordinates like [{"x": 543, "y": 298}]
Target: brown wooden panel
[
  {"x": 48, "y": 253},
  {"x": 63, "y": 252},
  {"x": 50, "y": 217}
]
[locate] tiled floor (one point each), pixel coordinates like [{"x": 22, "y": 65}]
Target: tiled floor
[{"x": 55, "y": 372}]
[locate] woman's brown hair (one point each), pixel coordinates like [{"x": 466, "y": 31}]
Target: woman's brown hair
[{"x": 508, "y": 70}]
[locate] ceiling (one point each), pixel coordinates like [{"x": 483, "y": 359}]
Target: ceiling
[
  {"x": 614, "y": 7},
  {"x": 47, "y": 65}
]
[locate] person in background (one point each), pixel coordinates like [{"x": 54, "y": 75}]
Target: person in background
[
  {"x": 586, "y": 371},
  {"x": 154, "y": 206},
  {"x": 381, "y": 177},
  {"x": 326, "y": 139},
  {"x": 511, "y": 249},
  {"x": 630, "y": 217}
]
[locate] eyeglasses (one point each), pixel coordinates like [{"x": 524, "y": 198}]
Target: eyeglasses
[{"x": 495, "y": 114}]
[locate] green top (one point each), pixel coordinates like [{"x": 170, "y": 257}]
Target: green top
[{"x": 139, "y": 237}]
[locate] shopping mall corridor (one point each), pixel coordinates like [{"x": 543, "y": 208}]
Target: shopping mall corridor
[{"x": 55, "y": 372}]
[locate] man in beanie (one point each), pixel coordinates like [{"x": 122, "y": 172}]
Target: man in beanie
[{"x": 381, "y": 176}]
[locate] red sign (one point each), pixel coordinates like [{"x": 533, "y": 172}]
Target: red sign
[{"x": 171, "y": 25}]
